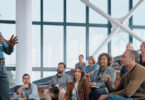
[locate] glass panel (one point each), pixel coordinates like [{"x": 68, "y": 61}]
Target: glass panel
[
  {"x": 35, "y": 10},
  {"x": 53, "y": 45},
  {"x": 35, "y": 76},
  {"x": 139, "y": 15},
  {"x": 49, "y": 73},
  {"x": 75, "y": 11},
  {"x": 36, "y": 46},
  {"x": 7, "y": 9},
  {"x": 119, "y": 42},
  {"x": 94, "y": 16},
  {"x": 141, "y": 33},
  {"x": 96, "y": 37},
  {"x": 119, "y": 8},
  {"x": 76, "y": 45},
  {"x": 12, "y": 78},
  {"x": 53, "y": 10},
  {"x": 7, "y": 30}
]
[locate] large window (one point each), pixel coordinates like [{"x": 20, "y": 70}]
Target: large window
[
  {"x": 64, "y": 29},
  {"x": 75, "y": 11},
  {"x": 53, "y": 10},
  {"x": 49, "y": 73},
  {"x": 36, "y": 10},
  {"x": 94, "y": 16},
  {"x": 53, "y": 45},
  {"x": 119, "y": 8},
  {"x": 76, "y": 40},
  {"x": 96, "y": 38},
  {"x": 36, "y": 46},
  {"x": 140, "y": 33},
  {"x": 8, "y": 9},
  {"x": 138, "y": 18},
  {"x": 119, "y": 43}
]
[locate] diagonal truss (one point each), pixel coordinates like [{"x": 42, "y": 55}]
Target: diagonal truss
[{"x": 119, "y": 24}]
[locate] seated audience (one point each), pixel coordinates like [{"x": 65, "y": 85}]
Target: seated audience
[
  {"x": 89, "y": 71},
  {"x": 142, "y": 55},
  {"x": 81, "y": 63},
  {"x": 78, "y": 89},
  {"x": 129, "y": 46},
  {"x": 132, "y": 84},
  {"x": 97, "y": 84},
  {"x": 28, "y": 90},
  {"x": 58, "y": 84}
]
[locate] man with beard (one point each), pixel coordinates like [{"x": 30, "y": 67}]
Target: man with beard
[{"x": 59, "y": 81}]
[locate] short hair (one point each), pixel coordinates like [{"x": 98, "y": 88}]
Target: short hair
[
  {"x": 62, "y": 63},
  {"x": 135, "y": 54},
  {"x": 108, "y": 56},
  {"x": 25, "y": 75},
  {"x": 81, "y": 55}
]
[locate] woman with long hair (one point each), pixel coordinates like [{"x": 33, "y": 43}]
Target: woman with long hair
[
  {"x": 142, "y": 55},
  {"x": 79, "y": 88}
]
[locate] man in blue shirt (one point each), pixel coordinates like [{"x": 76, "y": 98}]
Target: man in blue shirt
[{"x": 6, "y": 46}]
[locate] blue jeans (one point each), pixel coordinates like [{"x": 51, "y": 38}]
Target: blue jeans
[
  {"x": 96, "y": 92},
  {"x": 117, "y": 97}
]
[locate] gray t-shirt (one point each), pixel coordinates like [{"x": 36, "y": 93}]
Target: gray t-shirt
[
  {"x": 82, "y": 65},
  {"x": 61, "y": 81}
]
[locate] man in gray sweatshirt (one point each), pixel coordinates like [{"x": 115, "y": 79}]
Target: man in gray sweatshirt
[{"x": 28, "y": 90}]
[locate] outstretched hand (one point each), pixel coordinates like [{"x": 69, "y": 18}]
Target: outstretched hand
[{"x": 12, "y": 41}]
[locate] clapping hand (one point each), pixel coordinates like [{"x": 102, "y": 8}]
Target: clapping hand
[{"x": 106, "y": 78}]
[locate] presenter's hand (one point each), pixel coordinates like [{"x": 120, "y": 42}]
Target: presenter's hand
[{"x": 12, "y": 41}]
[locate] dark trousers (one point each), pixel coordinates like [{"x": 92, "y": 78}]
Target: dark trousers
[
  {"x": 96, "y": 93},
  {"x": 4, "y": 84}
]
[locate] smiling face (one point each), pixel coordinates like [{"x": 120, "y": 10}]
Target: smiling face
[{"x": 103, "y": 61}]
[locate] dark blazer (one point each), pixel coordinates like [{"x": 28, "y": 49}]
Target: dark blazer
[{"x": 83, "y": 90}]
